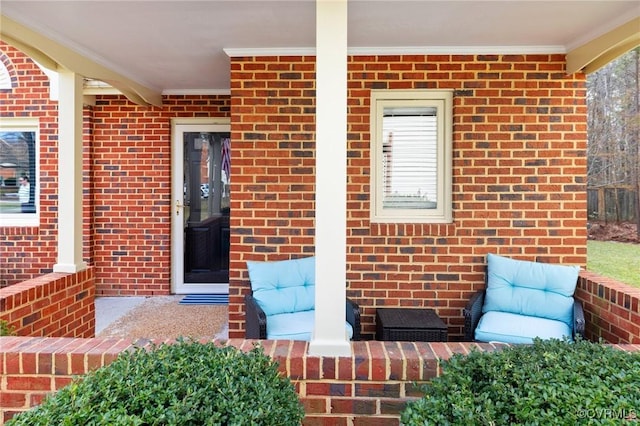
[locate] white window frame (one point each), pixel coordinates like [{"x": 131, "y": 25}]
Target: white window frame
[
  {"x": 11, "y": 124},
  {"x": 442, "y": 100},
  {"x": 5, "y": 78}
]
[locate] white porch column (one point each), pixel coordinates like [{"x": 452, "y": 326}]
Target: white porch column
[
  {"x": 69, "y": 173},
  {"x": 329, "y": 337}
]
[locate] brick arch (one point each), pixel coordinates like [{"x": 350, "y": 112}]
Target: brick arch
[{"x": 8, "y": 77}]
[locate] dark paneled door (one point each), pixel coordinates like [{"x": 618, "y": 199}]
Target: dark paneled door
[{"x": 206, "y": 199}]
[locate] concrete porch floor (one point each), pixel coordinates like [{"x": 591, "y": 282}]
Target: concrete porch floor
[{"x": 160, "y": 317}]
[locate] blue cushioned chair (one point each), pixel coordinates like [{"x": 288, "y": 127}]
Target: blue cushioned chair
[
  {"x": 524, "y": 300},
  {"x": 281, "y": 305}
]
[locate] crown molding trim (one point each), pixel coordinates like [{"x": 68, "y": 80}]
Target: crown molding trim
[
  {"x": 195, "y": 92},
  {"x": 402, "y": 50}
]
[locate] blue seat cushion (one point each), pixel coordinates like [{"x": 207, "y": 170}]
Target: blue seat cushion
[
  {"x": 513, "y": 328},
  {"x": 295, "y": 326},
  {"x": 284, "y": 286},
  {"x": 530, "y": 288}
]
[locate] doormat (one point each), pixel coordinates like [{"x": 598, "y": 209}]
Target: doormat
[{"x": 205, "y": 299}]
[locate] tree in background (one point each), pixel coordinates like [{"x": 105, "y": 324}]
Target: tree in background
[{"x": 613, "y": 153}]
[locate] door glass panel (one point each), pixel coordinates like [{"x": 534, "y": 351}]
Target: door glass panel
[{"x": 206, "y": 199}]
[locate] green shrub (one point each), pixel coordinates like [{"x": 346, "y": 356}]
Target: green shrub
[
  {"x": 186, "y": 383},
  {"x": 6, "y": 329},
  {"x": 548, "y": 383}
]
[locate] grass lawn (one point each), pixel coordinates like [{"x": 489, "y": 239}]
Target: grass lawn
[{"x": 620, "y": 261}]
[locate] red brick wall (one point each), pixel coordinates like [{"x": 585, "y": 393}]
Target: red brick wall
[
  {"x": 611, "y": 309},
  {"x": 519, "y": 171},
  {"x": 518, "y": 179},
  {"x": 87, "y": 185},
  {"x": 52, "y": 305},
  {"x": 27, "y": 252},
  {"x": 130, "y": 153}
]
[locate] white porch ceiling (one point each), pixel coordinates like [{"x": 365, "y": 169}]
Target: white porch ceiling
[{"x": 183, "y": 46}]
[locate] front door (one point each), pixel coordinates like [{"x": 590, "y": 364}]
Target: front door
[{"x": 200, "y": 206}]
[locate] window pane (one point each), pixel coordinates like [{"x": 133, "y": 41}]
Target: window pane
[
  {"x": 17, "y": 172},
  {"x": 409, "y": 155}
]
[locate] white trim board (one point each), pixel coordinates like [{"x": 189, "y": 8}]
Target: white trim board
[{"x": 402, "y": 50}]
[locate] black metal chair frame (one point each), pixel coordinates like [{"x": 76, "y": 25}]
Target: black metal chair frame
[{"x": 256, "y": 319}]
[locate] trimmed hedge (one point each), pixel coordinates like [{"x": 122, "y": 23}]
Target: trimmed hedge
[
  {"x": 186, "y": 383},
  {"x": 6, "y": 329},
  {"x": 551, "y": 382}
]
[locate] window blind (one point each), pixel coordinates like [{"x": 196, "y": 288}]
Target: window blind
[{"x": 409, "y": 155}]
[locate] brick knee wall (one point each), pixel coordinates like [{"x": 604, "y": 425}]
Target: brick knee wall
[
  {"x": 611, "y": 309},
  {"x": 53, "y": 305},
  {"x": 372, "y": 386}
]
